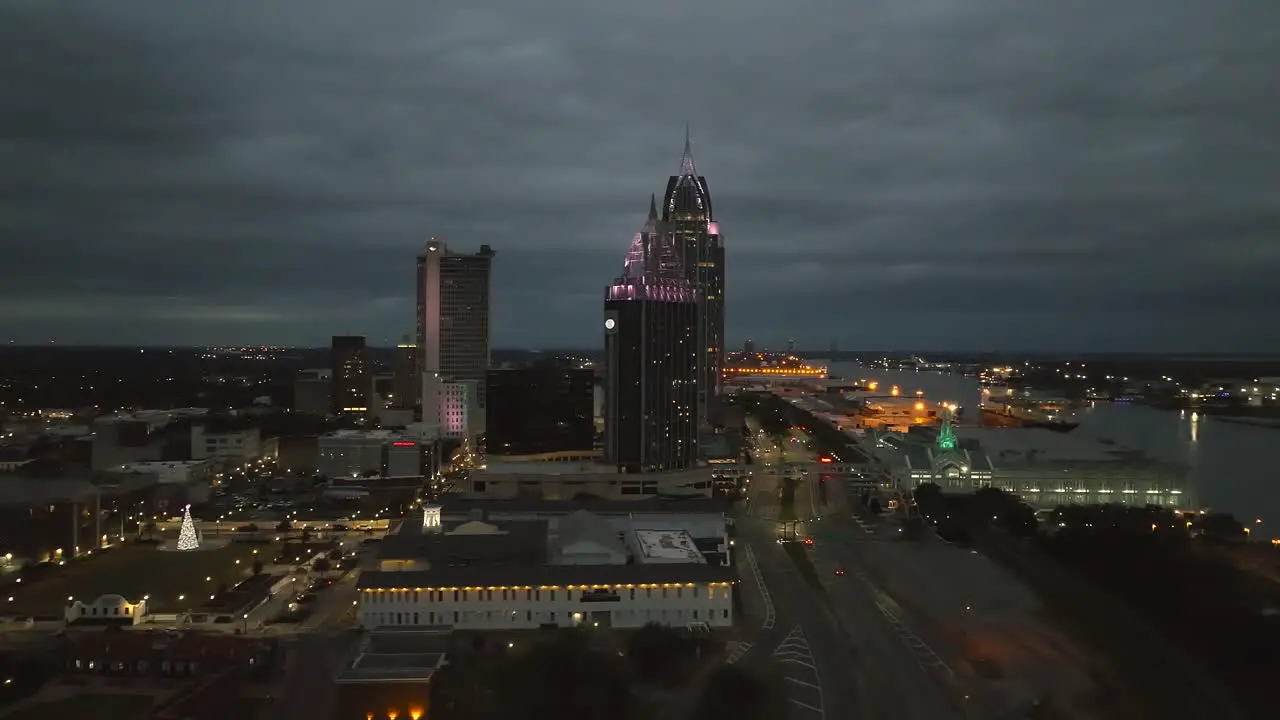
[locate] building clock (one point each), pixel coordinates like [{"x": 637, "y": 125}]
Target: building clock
[{"x": 610, "y": 323}]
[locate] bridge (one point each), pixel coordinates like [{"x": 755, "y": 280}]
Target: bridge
[{"x": 854, "y": 476}]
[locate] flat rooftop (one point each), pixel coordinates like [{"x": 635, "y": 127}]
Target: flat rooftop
[
  {"x": 668, "y": 546},
  {"x": 546, "y": 575},
  {"x": 395, "y": 657},
  {"x": 1011, "y": 445},
  {"x": 364, "y": 435},
  {"x": 537, "y": 467},
  {"x": 158, "y": 465},
  {"x": 539, "y": 506},
  {"x": 22, "y": 490}
]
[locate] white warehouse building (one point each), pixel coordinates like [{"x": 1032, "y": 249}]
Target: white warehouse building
[{"x": 527, "y": 574}]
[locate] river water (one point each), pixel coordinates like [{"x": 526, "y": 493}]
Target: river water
[{"x": 1231, "y": 467}]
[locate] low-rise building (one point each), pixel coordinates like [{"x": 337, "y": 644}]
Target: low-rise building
[
  {"x": 551, "y": 477},
  {"x": 1044, "y": 467},
  {"x": 178, "y": 482},
  {"x": 353, "y": 453},
  {"x": 171, "y": 472},
  {"x": 232, "y": 445},
  {"x": 483, "y": 574},
  {"x": 313, "y": 392},
  {"x": 48, "y": 520}
]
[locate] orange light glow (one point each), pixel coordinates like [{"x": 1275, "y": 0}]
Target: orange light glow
[
  {"x": 873, "y": 386},
  {"x": 825, "y": 460},
  {"x": 415, "y": 713},
  {"x": 393, "y": 713},
  {"x": 919, "y": 406},
  {"x": 895, "y": 391}
]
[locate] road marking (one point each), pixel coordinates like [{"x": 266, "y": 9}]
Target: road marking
[
  {"x": 739, "y": 651},
  {"x": 770, "y": 615},
  {"x": 799, "y": 668}
]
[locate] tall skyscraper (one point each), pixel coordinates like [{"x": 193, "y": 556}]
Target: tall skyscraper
[
  {"x": 540, "y": 408},
  {"x": 687, "y": 215},
  {"x": 349, "y": 363},
  {"x": 453, "y": 322},
  {"x": 405, "y": 379},
  {"x": 651, "y": 357}
]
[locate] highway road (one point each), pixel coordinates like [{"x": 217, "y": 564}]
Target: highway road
[{"x": 803, "y": 641}]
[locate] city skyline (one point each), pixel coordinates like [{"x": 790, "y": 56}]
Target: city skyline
[{"x": 183, "y": 176}]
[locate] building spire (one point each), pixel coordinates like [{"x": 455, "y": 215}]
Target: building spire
[
  {"x": 653, "y": 209},
  {"x": 947, "y": 434},
  {"x": 686, "y": 158}
]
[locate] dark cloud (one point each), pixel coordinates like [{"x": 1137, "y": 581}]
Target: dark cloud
[{"x": 895, "y": 173}]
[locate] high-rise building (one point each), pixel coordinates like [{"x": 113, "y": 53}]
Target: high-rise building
[
  {"x": 540, "y": 408},
  {"x": 687, "y": 215},
  {"x": 313, "y": 392},
  {"x": 749, "y": 346},
  {"x": 349, "y": 363},
  {"x": 651, "y": 357},
  {"x": 453, "y": 323},
  {"x": 405, "y": 383}
]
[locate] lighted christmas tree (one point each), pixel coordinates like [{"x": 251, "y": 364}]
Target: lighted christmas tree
[{"x": 187, "y": 539}]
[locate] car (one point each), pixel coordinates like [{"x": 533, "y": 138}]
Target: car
[
  {"x": 808, "y": 541},
  {"x": 839, "y": 571}
]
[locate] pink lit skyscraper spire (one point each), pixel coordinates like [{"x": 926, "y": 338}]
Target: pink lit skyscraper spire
[{"x": 689, "y": 218}]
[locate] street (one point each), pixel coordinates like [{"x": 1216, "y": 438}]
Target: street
[{"x": 846, "y": 654}]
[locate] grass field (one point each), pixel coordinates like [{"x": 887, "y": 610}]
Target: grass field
[
  {"x": 99, "y": 706},
  {"x": 175, "y": 581}
]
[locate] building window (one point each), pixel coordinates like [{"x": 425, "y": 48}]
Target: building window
[{"x": 415, "y": 618}]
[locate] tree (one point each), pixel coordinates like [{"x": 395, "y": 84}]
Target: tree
[
  {"x": 321, "y": 565},
  {"x": 187, "y": 539},
  {"x": 928, "y": 497},
  {"x": 257, "y": 567},
  {"x": 561, "y": 677},
  {"x": 335, "y": 555},
  {"x": 732, "y": 693},
  {"x": 652, "y": 649}
]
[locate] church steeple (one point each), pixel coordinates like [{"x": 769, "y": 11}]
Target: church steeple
[
  {"x": 653, "y": 213},
  {"x": 946, "y": 434}
]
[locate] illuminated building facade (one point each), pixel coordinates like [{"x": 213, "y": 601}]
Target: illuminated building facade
[
  {"x": 651, "y": 357},
  {"x": 349, "y": 361},
  {"x": 1044, "y": 468},
  {"x": 688, "y": 216},
  {"x": 453, "y": 322},
  {"x": 585, "y": 570}
]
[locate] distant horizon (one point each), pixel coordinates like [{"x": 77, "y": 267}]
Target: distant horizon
[{"x": 1032, "y": 353}]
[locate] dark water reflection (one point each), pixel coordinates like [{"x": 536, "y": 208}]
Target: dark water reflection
[{"x": 1230, "y": 466}]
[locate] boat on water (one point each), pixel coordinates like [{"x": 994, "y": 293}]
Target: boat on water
[{"x": 1045, "y": 413}]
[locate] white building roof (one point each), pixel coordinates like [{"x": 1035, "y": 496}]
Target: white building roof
[
  {"x": 1010, "y": 445},
  {"x": 668, "y": 546}
]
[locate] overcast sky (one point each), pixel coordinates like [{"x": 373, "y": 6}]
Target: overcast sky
[{"x": 912, "y": 174}]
